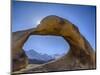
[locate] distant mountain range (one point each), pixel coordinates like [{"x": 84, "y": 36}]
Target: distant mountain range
[{"x": 38, "y": 58}]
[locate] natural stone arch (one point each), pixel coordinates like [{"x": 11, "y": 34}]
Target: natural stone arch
[{"x": 80, "y": 55}]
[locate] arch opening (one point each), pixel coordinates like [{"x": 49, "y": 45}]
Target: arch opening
[{"x": 45, "y": 48}]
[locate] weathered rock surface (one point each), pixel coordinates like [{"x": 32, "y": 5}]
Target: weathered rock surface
[
  {"x": 19, "y": 58},
  {"x": 80, "y": 56}
]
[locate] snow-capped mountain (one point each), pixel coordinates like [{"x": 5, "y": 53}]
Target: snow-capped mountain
[{"x": 32, "y": 54}]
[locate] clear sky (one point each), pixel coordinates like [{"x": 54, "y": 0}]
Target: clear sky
[{"x": 27, "y": 15}]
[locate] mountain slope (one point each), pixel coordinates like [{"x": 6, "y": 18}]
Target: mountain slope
[{"x": 36, "y": 57}]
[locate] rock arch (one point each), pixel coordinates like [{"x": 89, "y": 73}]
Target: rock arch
[{"x": 80, "y": 56}]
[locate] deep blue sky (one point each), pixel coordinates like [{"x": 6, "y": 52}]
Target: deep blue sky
[{"x": 27, "y": 15}]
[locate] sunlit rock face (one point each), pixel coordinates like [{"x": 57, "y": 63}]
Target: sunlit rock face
[{"x": 80, "y": 55}]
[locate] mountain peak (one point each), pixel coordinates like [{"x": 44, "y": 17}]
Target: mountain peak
[{"x": 32, "y": 54}]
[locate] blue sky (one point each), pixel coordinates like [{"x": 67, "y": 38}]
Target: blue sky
[{"x": 27, "y": 15}]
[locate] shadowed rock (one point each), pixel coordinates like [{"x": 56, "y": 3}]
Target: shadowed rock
[
  {"x": 19, "y": 58},
  {"x": 80, "y": 56}
]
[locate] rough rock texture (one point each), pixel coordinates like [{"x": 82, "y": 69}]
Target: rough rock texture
[
  {"x": 80, "y": 56},
  {"x": 19, "y": 58}
]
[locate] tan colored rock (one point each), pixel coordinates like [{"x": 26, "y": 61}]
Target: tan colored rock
[
  {"x": 80, "y": 56},
  {"x": 19, "y": 58}
]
